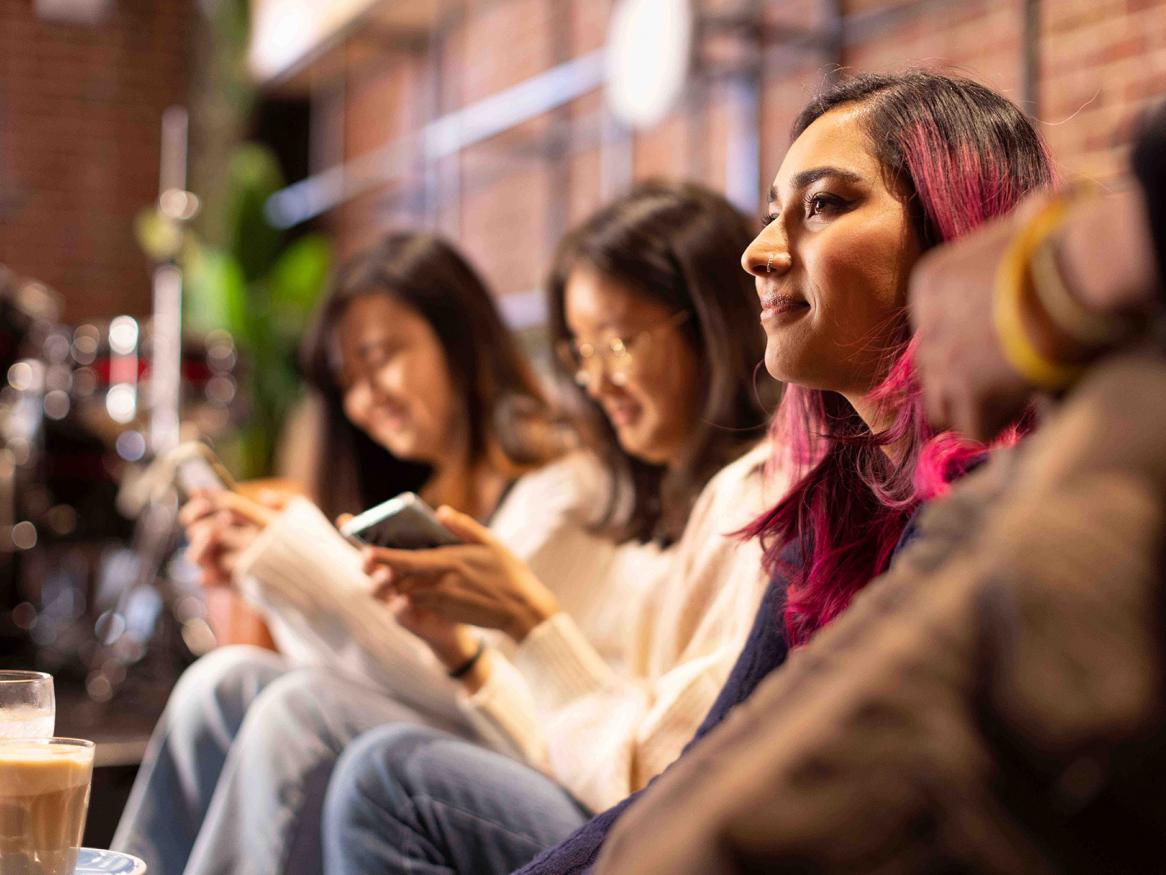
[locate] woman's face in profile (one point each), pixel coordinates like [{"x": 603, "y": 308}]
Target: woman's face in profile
[
  {"x": 394, "y": 378},
  {"x": 832, "y": 262},
  {"x": 649, "y": 392}
]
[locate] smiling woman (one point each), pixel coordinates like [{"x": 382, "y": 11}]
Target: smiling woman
[
  {"x": 425, "y": 390},
  {"x": 423, "y": 386},
  {"x": 881, "y": 169},
  {"x": 658, "y": 345},
  {"x": 658, "y": 339},
  {"x": 821, "y": 286}
]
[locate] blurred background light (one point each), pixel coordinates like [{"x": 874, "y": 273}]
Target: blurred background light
[
  {"x": 74, "y": 11},
  {"x": 649, "y": 52},
  {"x": 123, "y": 335}
]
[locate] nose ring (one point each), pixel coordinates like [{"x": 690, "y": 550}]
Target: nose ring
[{"x": 769, "y": 264}]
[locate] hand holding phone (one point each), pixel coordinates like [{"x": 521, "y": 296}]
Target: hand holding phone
[
  {"x": 479, "y": 582},
  {"x": 197, "y": 469}
]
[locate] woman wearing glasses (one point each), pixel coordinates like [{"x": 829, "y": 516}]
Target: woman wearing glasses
[{"x": 655, "y": 334}]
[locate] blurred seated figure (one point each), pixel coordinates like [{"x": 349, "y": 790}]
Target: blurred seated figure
[
  {"x": 562, "y": 567},
  {"x": 994, "y": 704},
  {"x": 852, "y": 207},
  {"x": 423, "y": 389}
]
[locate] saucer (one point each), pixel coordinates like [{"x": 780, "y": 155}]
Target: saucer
[{"x": 94, "y": 862}]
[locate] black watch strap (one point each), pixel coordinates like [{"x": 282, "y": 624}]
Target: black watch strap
[{"x": 466, "y": 667}]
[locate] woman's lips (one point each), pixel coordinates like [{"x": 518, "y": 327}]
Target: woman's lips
[
  {"x": 776, "y": 306},
  {"x": 623, "y": 415},
  {"x": 392, "y": 420}
]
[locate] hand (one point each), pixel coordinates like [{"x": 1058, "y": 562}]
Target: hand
[
  {"x": 967, "y": 383},
  {"x": 1106, "y": 250},
  {"x": 451, "y": 642},
  {"x": 479, "y": 582},
  {"x": 1106, "y": 255},
  {"x": 219, "y": 527}
]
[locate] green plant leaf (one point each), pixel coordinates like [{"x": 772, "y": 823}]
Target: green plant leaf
[
  {"x": 295, "y": 282},
  {"x": 216, "y": 293},
  {"x": 253, "y": 176}
]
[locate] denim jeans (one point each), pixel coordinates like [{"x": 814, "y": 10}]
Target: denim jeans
[
  {"x": 187, "y": 753},
  {"x": 234, "y": 779},
  {"x": 417, "y": 800}
]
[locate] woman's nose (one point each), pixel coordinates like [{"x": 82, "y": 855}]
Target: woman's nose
[
  {"x": 600, "y": 381},
  {"x": 767, "y": 254},
  {"x": 385, "y": 382}
]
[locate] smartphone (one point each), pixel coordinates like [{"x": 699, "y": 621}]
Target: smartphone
[
  {"x": 404, "y": 523},
  {"x": 198, "y": 469}
]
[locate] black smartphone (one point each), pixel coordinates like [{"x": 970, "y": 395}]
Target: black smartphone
[{"x": 404, "y": 523}]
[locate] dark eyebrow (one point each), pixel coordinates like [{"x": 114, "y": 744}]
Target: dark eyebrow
[{"x": 808, "y": 177}]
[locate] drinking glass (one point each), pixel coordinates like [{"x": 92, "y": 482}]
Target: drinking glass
[
  {"x": 28, "y": 708},
  {"x": 44, "y": 797}
]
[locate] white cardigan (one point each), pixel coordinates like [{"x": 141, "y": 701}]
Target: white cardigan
[{"x": 603, "y": 728}]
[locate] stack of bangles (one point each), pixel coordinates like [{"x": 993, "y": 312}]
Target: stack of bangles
[{"x": 1030, "y": 271}]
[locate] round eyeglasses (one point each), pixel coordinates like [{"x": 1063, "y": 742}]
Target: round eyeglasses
[{"x": 614, "y": 357}]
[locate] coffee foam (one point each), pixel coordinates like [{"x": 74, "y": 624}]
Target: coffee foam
[{"x": 27, "y": 769}]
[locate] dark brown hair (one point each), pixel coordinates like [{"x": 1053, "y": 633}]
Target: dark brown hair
[
  {"x": 501, "y": 402},
  {"x": 678, "y": 244}
]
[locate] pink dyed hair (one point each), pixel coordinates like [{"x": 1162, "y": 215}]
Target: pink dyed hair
[{"x": 960, "y": 154}]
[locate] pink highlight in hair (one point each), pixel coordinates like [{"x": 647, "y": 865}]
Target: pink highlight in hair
[
  {"x": 852, "y": 499},
  {"x": 956, "y": 176}
]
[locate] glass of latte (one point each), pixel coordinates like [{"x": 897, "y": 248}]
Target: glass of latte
[
  {"x": 28, "y": 706},
  {"x": 44, "y": 796}
]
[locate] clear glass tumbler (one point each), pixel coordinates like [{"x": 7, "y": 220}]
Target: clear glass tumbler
[{"x": 28, "y": 706}]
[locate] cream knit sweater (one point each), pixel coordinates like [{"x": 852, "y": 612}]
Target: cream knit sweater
[
  {"x": 602, "y": 696},
  {"x": 603, "y": 728}
]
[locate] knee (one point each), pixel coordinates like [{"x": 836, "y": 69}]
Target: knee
[
  {"x": 220, "y": 687},
  {"x": 374, "y": 773},
  {"x": 290, "y": 711}
]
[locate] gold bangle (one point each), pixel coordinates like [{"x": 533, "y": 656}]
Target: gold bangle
[{"x": 1012, "y": 282}]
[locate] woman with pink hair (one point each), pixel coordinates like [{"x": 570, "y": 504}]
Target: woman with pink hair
[{"x": 881, "y": 169}]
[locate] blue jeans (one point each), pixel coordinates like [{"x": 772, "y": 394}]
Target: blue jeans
[
  {"x": 187, "y": 753},
  {"x": 234, "y": 780},
  {"x": 418, "y": 800}
]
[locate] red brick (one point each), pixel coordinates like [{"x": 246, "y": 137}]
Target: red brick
[{"x": 80, "y": 144}]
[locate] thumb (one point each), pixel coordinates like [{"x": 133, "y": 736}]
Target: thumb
[
  {"x": 465, "y": 526},
  {"x": 343, "y": 520}
]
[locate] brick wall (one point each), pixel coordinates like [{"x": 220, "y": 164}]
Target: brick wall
[
  {"x": 1100, "y": 62},
  {"x": 80, "y": 107},
  {"x": 80, "y": 110}
]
